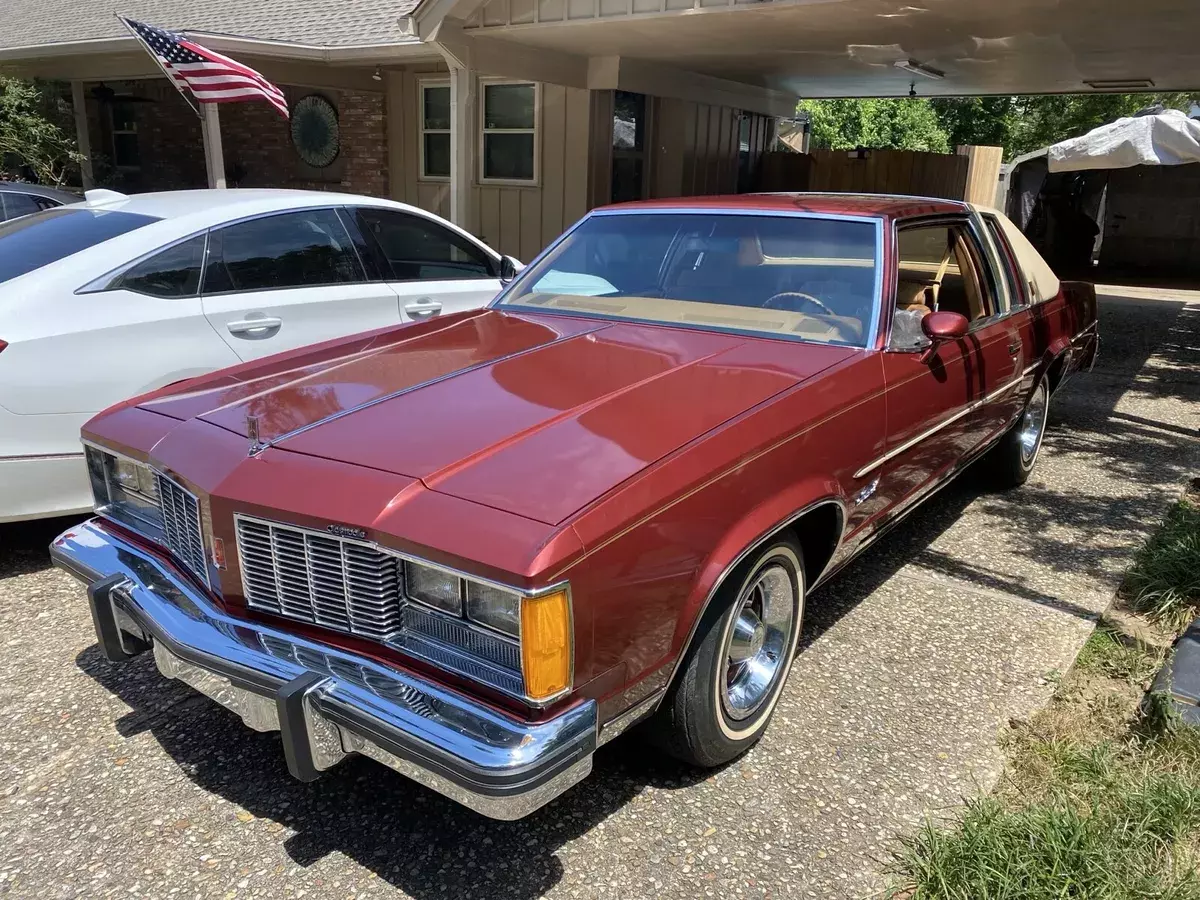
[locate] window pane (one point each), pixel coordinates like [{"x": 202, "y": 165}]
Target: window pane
[
  {"x": 1008, "y": 263},
  {"x": 807, "y": 278},
  {"x": 123, "y": 117},
  {"x": 301, "y": 249},
  {"x": 508, "y": 106},
  {"x": 55, "y": 234},
  {"x": 437, "y": 107},
  {"x": 437, "y": 155},
  {"x": 629, "y": 120},
  {"x": 508, "y": 156},
  {"x": 18, "y": 204},
  {"x": 419, "y": 249},
  {"x": 173, "y": 273},
  {"x": 125, "y": 150}
]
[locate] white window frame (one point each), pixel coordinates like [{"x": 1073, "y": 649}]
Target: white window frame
[
  {"x": 535, "y": 181},
  {"x": 421, "y": 86}
]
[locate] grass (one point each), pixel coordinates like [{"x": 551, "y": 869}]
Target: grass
[
  {"x": 1164, "y": 582},
  {"x": 1101, "y": 794},
  {"x": 1112, "y": 654}
]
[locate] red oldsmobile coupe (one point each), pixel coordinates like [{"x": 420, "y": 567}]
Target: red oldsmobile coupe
[{"x": 476, "y": 547}]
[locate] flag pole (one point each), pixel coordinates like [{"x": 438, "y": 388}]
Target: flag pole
[{"x": 154, "y": 56}]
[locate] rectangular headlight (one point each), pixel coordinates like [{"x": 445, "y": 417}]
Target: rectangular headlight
[
  {"x": 433, "y": 587},
  {"x": 495, "y": 608},
  {"x": 125, "y": 491}
]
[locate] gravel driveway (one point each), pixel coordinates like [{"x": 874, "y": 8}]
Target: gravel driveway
[{"x": 116, "y": 782}]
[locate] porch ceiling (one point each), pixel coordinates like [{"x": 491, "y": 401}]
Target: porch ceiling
[{"x": 848, "y": 48}]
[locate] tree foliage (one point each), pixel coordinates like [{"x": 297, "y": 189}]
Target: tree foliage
[
  {"x": 892, "y": 123},
  {"x": 37, "y": 135},
  {"x": 1019, "y": 124}
]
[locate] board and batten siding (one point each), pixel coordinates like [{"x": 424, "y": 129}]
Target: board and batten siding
[
  {"x": 697, "y": 148},
  {"x": 515, "y": 219}
]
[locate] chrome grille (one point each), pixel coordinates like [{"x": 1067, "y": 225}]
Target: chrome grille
[
  {"x": 320, "y": 579},
  {"x": 357, "y": 588},
  {"x": 181, "y": 525}
]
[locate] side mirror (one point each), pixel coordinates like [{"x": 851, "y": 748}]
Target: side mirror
[
  {"x": 945, "y": 326},
  {"x": 941, "y": 327},
  {"x": 508, "y": 269}
]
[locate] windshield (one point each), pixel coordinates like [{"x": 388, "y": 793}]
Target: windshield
[
  {"x": 799, "y": 277},
  {"x": 45, "y": 237}
]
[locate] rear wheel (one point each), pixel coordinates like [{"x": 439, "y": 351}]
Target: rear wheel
[
  {"x": 1013, "y": 458},
  {"x": 739, "y": 661}
]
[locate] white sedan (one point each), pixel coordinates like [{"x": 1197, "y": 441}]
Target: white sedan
[{"x": 118, "y": 295}]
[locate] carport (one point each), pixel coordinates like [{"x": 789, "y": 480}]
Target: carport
[{"x": 618, "y": 99}]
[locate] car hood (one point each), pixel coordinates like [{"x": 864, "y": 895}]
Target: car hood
[{"x": 533, "y": 415}]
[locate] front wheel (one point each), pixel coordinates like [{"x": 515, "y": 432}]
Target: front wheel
[
  {"x": 739, "y": 661},
  {"x": 1013, "y": 458}
]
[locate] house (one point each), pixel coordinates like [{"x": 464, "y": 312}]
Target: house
[{"x": 514, "y": 117}]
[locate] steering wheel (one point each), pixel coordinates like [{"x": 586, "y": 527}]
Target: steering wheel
[{"x": 796, "y": 295}]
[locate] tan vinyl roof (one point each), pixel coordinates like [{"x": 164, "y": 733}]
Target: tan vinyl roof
[{"x": 36, "y": 23}]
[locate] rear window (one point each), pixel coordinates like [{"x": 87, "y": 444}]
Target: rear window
[{"x": 45, "y": 237}]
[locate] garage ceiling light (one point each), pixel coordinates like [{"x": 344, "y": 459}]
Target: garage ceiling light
[
  {"x": 919, "y": 68},
  {"x": 1121, "y": 84}
]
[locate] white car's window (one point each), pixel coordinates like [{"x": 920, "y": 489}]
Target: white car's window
[
  {"x": 803, "y": 277},
  {"x": 45, "y": 237},
  {"x": 417, "y": 249},
  {"x": 175, "y": 272},
  {"x": 19, "y": 204},
  {"x": 307, "y": 248}
]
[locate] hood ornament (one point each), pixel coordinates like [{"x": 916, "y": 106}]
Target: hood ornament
[{"x": 257, "y": 446}]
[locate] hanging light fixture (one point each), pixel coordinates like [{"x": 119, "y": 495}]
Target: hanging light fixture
[{"x": 377, "y": 75}]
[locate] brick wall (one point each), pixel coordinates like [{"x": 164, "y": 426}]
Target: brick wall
[{"x": 256, "y": 141}]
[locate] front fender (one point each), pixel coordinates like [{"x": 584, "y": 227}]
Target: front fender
[{"x": 743, "y": 536}]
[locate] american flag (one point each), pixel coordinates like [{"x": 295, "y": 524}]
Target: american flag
[{"x": 211, "y": 77}]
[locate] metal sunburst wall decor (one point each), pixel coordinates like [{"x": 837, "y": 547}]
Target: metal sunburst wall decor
[{"x": 315, "y": 132}]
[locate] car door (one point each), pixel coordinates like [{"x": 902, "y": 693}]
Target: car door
[
  {"x": 433, "y": 269},
  {"x": 290, "y": 279},
  {"x": 934, "y": 395}
]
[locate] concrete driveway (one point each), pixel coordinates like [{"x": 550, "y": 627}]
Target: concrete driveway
[{"x": 116, "y": 782}]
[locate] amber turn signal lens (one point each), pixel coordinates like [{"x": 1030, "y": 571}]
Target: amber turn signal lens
[{"x": 546, "y": 644}]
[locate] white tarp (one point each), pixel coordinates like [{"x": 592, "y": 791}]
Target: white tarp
[{"x": 1169, "y": 138}]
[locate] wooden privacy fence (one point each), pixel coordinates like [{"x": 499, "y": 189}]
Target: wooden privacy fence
[{"x": 971, "y": 174}]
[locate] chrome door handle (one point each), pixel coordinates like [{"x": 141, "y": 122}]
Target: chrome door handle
[
  {"x": 1014, "y": 348},
  {"x": 254, "y": 327},
  {"x": 423, "y": 308}
]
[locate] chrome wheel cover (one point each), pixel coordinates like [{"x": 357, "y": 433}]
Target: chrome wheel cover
[
  {"x": 1033, "y": 425},
  {"x": 757, "y": 643}
]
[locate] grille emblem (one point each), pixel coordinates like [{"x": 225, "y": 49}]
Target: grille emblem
[{"x": 347, "y": 531}]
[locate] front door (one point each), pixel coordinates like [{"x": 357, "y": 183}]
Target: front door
[
  {"x": 433, "y": 269},
  {"x": 278, "y": 282},
  {"x": 937, "y": 399}
]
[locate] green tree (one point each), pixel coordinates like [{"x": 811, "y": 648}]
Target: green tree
[
  {"x": 36, "y": 131},
  {"x": 1019, "y": 124},
  {"x": 898, "y": 124}
]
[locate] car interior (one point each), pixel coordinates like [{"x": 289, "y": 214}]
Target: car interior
[
  {"x": 937, "y": 271},
  {"x": 814, "y": 280}
]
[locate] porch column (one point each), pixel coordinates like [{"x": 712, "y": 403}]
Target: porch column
[
  {"x": 214, "y": 157},
  {"x": 464, "y": 139},
  {"x": 83, "y": 140}
]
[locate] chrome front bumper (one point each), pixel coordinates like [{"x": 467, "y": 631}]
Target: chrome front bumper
[{"x": 325, "y": 703}]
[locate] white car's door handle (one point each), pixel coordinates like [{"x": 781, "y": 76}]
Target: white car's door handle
[
  {"x": 423, "y": 308},
  {"x": 255, "y": 327}
]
